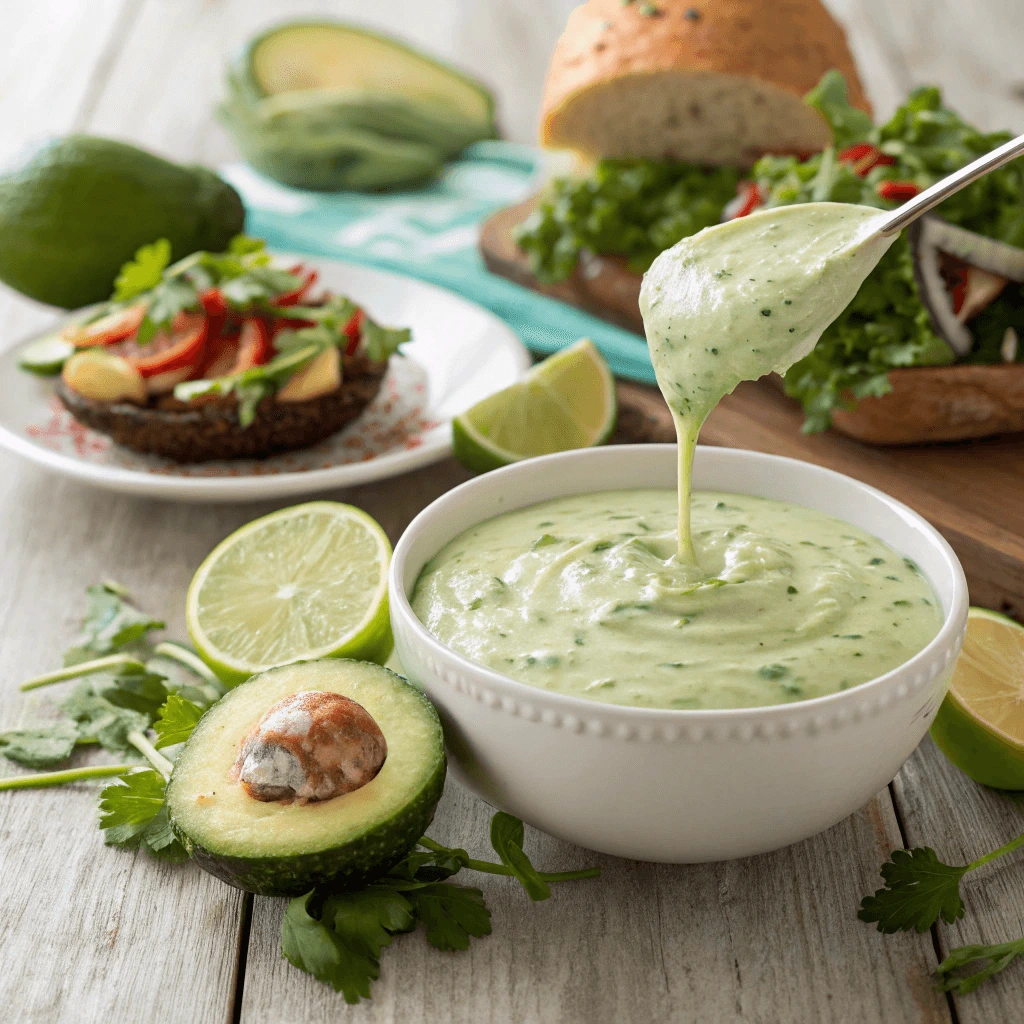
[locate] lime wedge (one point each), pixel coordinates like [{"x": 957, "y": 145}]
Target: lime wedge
[
  {"x": 307, "y": 582},
  {"x": 980, "y": 726},
  {"x": 567, "y": 401}
]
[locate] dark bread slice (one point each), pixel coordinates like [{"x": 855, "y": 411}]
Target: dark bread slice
[{"x": 209, "y": 430}]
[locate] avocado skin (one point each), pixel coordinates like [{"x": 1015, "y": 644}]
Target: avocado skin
[
  {"x": 358, "y": 862},
  {"x": 82, "y": 205}
]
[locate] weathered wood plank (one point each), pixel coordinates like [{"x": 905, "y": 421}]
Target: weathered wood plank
[
  {"x": 771, "y": 938},
  {"x": 942, "y": 808}
]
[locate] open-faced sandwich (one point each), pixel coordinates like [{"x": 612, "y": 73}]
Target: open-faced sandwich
[{"x": 218, "y": 356}]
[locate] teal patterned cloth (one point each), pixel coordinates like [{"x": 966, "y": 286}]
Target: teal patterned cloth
[{"x": 432, "y": 234}]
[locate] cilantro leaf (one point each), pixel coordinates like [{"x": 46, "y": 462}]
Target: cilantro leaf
[
  {"x": 166, "y": 301},
  {"x": 313, "y": 947},
  {"x": 159, "y": 839},
  {"x": 994, "y": 958},
  {"x": 367, "y": 919},
  {"x": 259, "y": 283},
  {"x": 507, "y": 834},
  {"x": 130, "y": 805},
  {"x": 919, "y": 889},
  {"x": 99, "y": 719},
  {"x": 380, "y": 343},
  {"x": 143, "y": 692},
  {"x": 178, "y": 717},
  {"x": 111, "y": 622},
  {"x": 421, "y": 867},
  {"x": 246, "y": 245},
  {"x": 144, "y": 272},
  {"x": 334, "y": 314},
  {"x": 450, "y": 913},
  {"x": 41, "y": 746}
]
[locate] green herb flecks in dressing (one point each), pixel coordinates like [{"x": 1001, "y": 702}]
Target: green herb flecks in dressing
[
  {"x": 585, "y": 596},
  {"x": 746, "y": 298}
]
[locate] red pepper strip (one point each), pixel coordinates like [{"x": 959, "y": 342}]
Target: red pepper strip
[
  {"x": 182, "y": 346},
  {"x": 108, "y": 330},
  {"x": 218, "y": 356},
  {"x": 959, "y": 293},
  {"x": 354, "y": 331},
  {"x": 213, "y": 302},
  {"x": 292, "y": 298},
  {"x": 897, "y": 191},
  {"x": 864, "y": 156},
  {"x": 748, "y": 198},
  {"x": 254, "y": 345}
]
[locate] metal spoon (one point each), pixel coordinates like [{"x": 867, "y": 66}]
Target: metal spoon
[{"x": 910, "y": 211}]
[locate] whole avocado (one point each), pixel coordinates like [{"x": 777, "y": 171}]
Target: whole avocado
[{"x": 81, "y": 206}]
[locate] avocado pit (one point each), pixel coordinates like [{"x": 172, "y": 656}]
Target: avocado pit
[{"x": 311, "y": 746}]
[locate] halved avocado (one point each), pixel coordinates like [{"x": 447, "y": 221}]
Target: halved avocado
[
  {"x": 279, "y": 848},
  {"x": 331, "y": 55}
]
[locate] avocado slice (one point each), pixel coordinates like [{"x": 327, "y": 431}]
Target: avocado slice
[
  {"x": 81, "y": 206},
  {"x": 281, "y": 848}
]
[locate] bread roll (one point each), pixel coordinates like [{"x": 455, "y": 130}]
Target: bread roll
[{"x": 705, "y": 81}]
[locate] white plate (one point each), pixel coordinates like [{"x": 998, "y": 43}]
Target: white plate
[{"x": 459, "y": 354}]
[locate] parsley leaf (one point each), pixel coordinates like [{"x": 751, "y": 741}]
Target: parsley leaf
[
  {"x": 40, "y": 747},
  {"x": 111, "y": 622},
  {"x": 259, "y": 284},
  {"x": 994, "y": 958},
  {"x": 130, "y": 805},
  {"x": 144, "y": 272},
  {"x": 178, "y": 717},
  {"x": 451, "y": 914},
  {"x": 169, "y": 298},
  {"x": 919, "y": 889},
  {"x": 507, "y": 834},
  {"x": 313, "y": 947}
]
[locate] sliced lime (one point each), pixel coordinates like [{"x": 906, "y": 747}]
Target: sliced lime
[
  {"x": 306, "y": 582},
  {"x": 46, "y": 356},
  {"x": 567, "y": 401},
  {"x": 980, "y": 726}
]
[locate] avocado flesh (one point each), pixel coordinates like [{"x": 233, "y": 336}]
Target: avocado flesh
[
  {"x": 334, "y": 56},
  {"x": 81, "y": 206},
  {"x": 282, "y": 849}
]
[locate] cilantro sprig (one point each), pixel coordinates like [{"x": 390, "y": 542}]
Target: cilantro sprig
[
  {"x": 338, "y": 937},
  {"x": 919, "y": 891}
]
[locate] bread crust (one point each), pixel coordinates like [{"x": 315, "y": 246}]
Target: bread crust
[{"x": 784, "y": 45}]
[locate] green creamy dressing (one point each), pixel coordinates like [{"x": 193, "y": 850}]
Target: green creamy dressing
[
  {"x": 747, "y": 298},
  {"x": 585, "y": 595},
  {"x": 653, "y": 599}
]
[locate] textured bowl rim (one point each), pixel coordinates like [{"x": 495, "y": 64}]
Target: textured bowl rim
[{"x": 927, "y": 663}]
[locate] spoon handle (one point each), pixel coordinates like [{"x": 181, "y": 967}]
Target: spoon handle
[{"x": 922, "y": 203}]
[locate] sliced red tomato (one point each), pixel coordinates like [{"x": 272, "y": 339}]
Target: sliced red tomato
[
  {"x": 897, "y": 191},
  {"x": 181, "y": 346},
  {"x": 293, "y": 298},
  {"x": 864, "y": 156},
  {"x": 254, "y": 345},
  {"x": 108, "y": 330},
  {"x": 213, "y": 302},
  {"x": 353, "y": 331}
]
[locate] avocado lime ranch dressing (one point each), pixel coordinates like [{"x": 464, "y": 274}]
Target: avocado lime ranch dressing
[
  {"x": 746, "y": 298},
  {"x": 655, "y": 599}
]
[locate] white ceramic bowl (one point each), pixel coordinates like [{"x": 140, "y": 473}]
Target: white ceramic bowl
[{"x": 676, "y": 786}]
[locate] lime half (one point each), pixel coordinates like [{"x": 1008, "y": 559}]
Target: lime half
[
  {"x": 567, "y": 401},
  {"x": 980, "y": 726},
  {"x": 307, "y": 582}
]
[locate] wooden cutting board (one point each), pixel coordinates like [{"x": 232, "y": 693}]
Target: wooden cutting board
[{"x": 972, "y": 492}]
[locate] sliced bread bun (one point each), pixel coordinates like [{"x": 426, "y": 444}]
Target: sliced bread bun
[{"x": 705, "y": 81}]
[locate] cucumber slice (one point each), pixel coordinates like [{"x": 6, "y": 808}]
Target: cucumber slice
[
  {"x": 283, "y": 849},
  {"x": 46, "y": 356},
  {"x": 332, "y": 55}
]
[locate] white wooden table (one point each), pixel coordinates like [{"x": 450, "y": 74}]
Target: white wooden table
[{"x": 94, "y": 935}]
